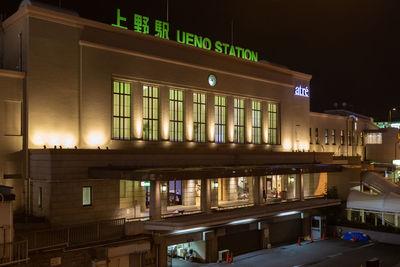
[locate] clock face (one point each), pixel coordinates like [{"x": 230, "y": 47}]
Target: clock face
[{"x": 212, "y": 80}]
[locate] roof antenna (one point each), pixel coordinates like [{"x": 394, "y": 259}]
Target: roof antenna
[
  {"x": 167, "y": 10},
  {"x": 231, "y": 32}
]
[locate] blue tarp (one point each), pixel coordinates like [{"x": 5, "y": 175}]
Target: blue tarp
[{"x": 360, "y": 236}]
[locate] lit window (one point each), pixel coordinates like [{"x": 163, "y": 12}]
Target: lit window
[
  {"x": 349, "y": 137},
  {"x": 175, "y": 115},
  {"x": 121, "y": 111},
  {"x": 87, "y": 196},
  {"x": 40, "y": 197},
  {"x": 333, "y": 137},
  {"x": 199, "y": 117},
  {"x": 256, "y": 122},
  {"x": 238, "y": 111},
  {"x": 273, "y": 124},
  {"x": 220, "y": 119},
  {"x": 150, "y": 113},
  {"x": 342, "y": 137},
  {"x": 326, "y": 137},
  {"x": 373, "y": 138}
]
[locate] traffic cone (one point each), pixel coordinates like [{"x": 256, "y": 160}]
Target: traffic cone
[
  {"x": 323, "y": 235},
  {"x": 231, "y": 257},
  {"x": 299, "y": 241},
  {"x": 354, "y": 238},
  {"x": 311, "y": 240},
  {"x": 227, "y": 257}
]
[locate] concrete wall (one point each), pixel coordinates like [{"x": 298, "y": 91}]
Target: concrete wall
[
  {"x": 388, "y": 150},
  {"x": 329, "y": 122}
]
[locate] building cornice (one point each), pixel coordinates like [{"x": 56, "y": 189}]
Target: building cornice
[
  {"x": 177, "y": 62},
  {"x": 73, "y": 21},
  {"x": 12, "y": 74}
]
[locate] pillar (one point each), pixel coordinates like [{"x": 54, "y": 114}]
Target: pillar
[
  {"x": 396, "y": 220},
  {"x": 349, "y": 214},
  {"x": 137, "y": 110},
  {"x": 155, "y": 200},
  {"x": 164, "y": 112},
  {"x": 306, "y": 224},
  {"x": 188, "y": 115},
  {"x": 265, "y": 238},
  {"x": 164, "y": 197},
  {"x": 214, "y": 192},
  {"x": 229, "y": 119},
  {"x": 257, "y": 185},
  {"x": 210, "y": 117},
  {"x": 162, "y": 254},
  {"x": 383, "y": 218},
  {"x": 362, "y": 215},
  {"x": 247, "y": 121},
  {"x": 189, "y": 193},
  {"x": 212, "y": 250},
  {"x": 205, "y": 195},
  {"x": 264, "y": 118},
  {"x": 300, "y": 186}
]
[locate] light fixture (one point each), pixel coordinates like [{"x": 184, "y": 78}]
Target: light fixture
[
  {"x": 287, "y": 213},
  {"x": 163, "y": 188},
  {"x": 242, "y": 221},
  {"x": 189, "y": 230},
  {"x": 216, "y": 184}
]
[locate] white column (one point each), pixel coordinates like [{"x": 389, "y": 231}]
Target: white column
[
  {"x": 155, "y": 200},
  {"x": 164, "y": 113},
  {"x": 188, "y": 115},
  {"x": 210, "y": 117},
  {"x": 247, "y": 120},
  {"x": 229, "y": 119}
]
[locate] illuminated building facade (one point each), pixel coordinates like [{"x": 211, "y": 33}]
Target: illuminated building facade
[{"x": 186, "y": 145}]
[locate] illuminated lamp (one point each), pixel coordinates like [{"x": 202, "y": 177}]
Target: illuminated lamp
[{"x": 163, "y": 188}]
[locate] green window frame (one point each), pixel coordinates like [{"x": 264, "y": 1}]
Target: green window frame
[
  {"x": 87, "y": 196},
  {"x": 121, "y": 128},
  {"x": 238, "y": 120},
  {"x": 199, "y": 117},
  {"x": 150, "y": 113},
  {"x": 220, "y": 119},
  {"x": 272, "y": 124},
  {"x": 256, "y": 122},
  {"x": 175, "y": 115}
]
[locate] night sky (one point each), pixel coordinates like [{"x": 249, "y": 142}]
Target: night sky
[{"x": 350, "y": 47}]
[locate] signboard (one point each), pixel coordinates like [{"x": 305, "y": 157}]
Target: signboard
[
  {"x": 161, "y": 29},
  {"x": 145, "y": 183},
  {"x": 302, "y": 91}
]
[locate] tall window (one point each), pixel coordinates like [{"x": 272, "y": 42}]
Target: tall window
[
  {"x": 150, "y": 113},
  {"x": 316, "y": 136},
  {"x": 349, "y": 137},
  {"x": 273, "y": 124},
  {"x": 87, "y": 196},
  {"x": 256, "y": 122},
  {"x": 238, "y": 120},
  {"x": 40, "y": 197},
  {"x": 199, "y": 117},
  {"x": 333, "y": 137},
  {"x": 122, "y": 111},
  {"x": 342, "y": 137},
  {"x": 175, "y": 115},
  {"x": 310, "y": 136},
  {"x": 220, "y": 119},
  {"x": 326, "y": 137}
]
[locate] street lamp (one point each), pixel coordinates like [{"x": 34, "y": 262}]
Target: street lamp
[{"x": 390, "y": 116}]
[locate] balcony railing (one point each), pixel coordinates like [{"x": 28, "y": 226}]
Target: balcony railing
[
  {"x": 77, "y": 235},
  {"x": 13, "y": 253}
]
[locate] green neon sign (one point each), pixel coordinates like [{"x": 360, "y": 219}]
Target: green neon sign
[
  {"x": 145, "y": 183},
  {"x": 162, "y": 30}
]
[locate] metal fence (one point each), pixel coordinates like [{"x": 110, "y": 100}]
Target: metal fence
[
  {"x": 12, "y": 253},
  {"x": 76, "y": 235}
]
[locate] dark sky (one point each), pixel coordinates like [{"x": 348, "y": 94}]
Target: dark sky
[{"x": 350, "y": 47}]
